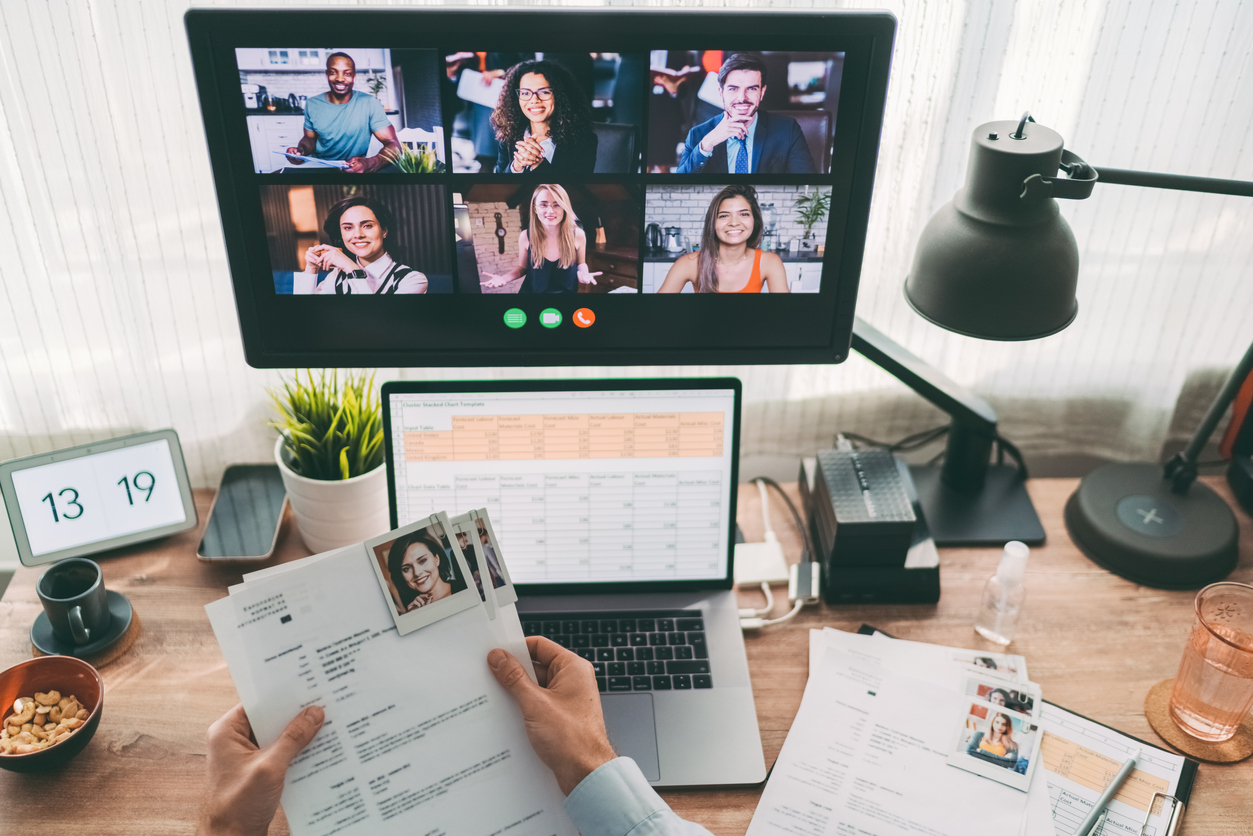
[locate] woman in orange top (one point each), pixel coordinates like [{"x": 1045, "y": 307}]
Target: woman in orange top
[
  {"x": 999, "y": 740},
  {"x": 728, "y": 261}
]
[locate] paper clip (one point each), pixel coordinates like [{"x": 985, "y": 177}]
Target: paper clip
[{"x": 1176, "y": 813}]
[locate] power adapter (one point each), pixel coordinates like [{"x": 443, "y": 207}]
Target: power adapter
[{"x": 758, "y": 563}]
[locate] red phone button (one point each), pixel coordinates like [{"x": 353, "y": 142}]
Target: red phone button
[{"x": 584, "y": 317}]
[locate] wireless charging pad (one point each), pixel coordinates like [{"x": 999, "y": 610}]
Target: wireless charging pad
[{"x": 1126, "y": 519}]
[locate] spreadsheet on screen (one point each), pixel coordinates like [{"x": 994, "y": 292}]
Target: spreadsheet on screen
[{"x": 580, "y": 486}]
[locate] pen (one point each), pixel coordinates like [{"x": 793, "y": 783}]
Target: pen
[{"x": 1086, "y": 828}]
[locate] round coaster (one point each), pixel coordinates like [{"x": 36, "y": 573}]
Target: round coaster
[
  {"x": 1157, "y": 710},
  {"x": 114, "y": 648}
]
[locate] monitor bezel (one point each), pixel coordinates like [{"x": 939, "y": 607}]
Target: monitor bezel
[
  {"x": 439, "y": 387},
  {"x": 867, "y": 37}
]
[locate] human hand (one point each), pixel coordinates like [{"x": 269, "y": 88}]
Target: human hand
[
  {"x": 528, "y": 152},
  {"x": 563, "y": 717},
  {"x": 727, "y": 127},
  {"x": 334, "y": 257},
  {"x": 313, "y": 258},
  {"x": 585, "y": 277},
  {"x": 489, "y": 76},
  {"x": 419, "y": 602},
  {"x": 359, "y": 165},
  {"x": 495, "y": 280},
  {"x": 245, "y": 781},
  {"x": 291, "y": 159}
]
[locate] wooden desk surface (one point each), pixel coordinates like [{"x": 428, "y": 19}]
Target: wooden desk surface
[{"x": 1094, "y": 642}]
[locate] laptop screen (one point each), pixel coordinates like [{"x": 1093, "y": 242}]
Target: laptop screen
[{"x": 583, "y": 485}]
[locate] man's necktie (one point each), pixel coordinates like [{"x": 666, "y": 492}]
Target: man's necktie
[{"x": 741, "y": 156}]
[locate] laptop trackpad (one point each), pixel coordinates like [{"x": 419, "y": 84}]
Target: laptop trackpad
[{"x": 629, "y": 721}]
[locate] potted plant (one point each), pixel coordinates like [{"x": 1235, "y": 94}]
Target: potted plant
[
  {"x": 811, "y": 208},
  {"x": 330, "y": 454},
  {"x": 410, "y": 160}
]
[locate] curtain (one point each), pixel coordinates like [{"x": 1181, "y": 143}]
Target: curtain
[{"x": 117, "y": 315}]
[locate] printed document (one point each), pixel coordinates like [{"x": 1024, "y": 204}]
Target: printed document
[
  {"x": 867, "y": 754},
  {"x": 418, "y": 733}
]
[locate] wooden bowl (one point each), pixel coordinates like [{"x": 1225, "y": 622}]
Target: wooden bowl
[{"x": 68, "y": 675}]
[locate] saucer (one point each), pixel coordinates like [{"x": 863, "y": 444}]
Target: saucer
[{"x": 46, "y": 641}]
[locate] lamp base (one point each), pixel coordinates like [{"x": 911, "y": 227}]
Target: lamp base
[
  {"x": 1001, "y": 511},
  {"x": 1126, "y": 519}
]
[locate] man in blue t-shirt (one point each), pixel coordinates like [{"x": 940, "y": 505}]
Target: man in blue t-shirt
[{"x": 339, "y": 123}]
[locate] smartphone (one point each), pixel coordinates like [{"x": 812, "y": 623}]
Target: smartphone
[{"x": 246, "y": 515}]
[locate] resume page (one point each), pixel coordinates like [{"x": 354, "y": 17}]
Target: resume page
[{"x": 419, "y": 737}]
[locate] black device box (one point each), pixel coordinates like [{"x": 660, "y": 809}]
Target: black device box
[
  {"x": 861, "y": 509},
  {"x": 916, "y": 581}
]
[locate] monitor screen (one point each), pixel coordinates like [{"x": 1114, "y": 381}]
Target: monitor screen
[
  {"x": 596, "y": 482},
  {"x": 397, "y": 189}
]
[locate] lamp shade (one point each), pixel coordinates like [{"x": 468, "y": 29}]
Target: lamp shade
[{"x": 998, "y": 261}]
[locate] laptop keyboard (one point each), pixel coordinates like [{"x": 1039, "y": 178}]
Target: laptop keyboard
[{"x": 659, "y": 650}]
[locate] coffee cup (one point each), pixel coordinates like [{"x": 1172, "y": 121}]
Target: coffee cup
[{"x": 73, "y": 595}]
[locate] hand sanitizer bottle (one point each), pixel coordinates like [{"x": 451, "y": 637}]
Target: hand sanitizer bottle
[{"x": 1003, "y": 595}]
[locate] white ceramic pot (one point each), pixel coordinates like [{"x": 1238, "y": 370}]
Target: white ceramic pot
[{"x": 331, "y": 515}]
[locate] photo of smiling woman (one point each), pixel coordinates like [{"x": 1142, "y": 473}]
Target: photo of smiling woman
[
  {"x": 341, "y": 240},
  {"x": 421, "y": 571},
  {"x": 552, "y": 251},
  {"x": 543, "y": 122},
  {"x": 728, "y": 260},
  {"x": 356, "y": 260}
]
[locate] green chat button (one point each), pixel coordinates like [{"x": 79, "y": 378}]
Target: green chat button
[{"x": 515, "y": 317}]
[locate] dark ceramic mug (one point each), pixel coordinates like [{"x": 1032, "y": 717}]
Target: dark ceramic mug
[{"x": 73, "y": 595}]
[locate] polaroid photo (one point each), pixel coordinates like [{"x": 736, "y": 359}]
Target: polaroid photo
[
  {"x": 1019, "y": 697},
  {"x": 996, "y": 743},
  {"x": 1004, "y": 665},
  {"x": 494, "y": 558},
  {"x": 423, "y": 573},
  {"x": 466, "y": 533}
]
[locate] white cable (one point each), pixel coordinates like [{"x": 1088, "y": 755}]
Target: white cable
[
  {"x": 749, "y": 612},
  {"x": 765, "y": 512},
  {"x": 758, "y": 623},
  {"x": 843, "y": 444}
]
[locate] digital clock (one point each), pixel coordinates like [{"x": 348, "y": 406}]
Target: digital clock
[{"x": 97, "y": 496}]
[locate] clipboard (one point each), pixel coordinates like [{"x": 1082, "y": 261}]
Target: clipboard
[{"x": 1187, "y": 775}]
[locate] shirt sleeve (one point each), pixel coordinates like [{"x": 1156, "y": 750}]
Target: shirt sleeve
[
  {"x": 616, "y": 800},
  {"x": 414, "y": 282},
  {"x": 378, "y": 116}
]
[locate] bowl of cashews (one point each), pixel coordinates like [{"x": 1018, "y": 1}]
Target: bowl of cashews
[{"x": 50, "y": 707}]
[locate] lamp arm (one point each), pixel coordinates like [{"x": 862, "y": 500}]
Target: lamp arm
[
  {"x": 973, "y": 430},
  {"x": 1181, "y": 469},
  {"x": 1082, "y": 177},
  {"x": 1179, "y": 182}
]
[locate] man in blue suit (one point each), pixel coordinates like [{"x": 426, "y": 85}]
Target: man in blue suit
[{"x": 743, "y": 139}]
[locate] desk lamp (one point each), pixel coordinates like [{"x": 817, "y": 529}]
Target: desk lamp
[{"x": 999, "y": 262}]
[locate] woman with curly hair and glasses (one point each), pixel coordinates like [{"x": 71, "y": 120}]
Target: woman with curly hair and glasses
[
  {"x": 728, "y": 260},
  {"x": 543, "y": 122}
]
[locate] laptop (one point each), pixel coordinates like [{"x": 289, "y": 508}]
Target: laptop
[{"x": 614, "y": 502}]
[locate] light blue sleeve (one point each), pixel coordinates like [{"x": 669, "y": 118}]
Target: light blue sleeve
[
  {"x": 378, "y": 116},
  {"x": 616, "y": 800}
]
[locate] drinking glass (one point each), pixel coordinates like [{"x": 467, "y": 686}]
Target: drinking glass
[{"x": 1214, "y": 688}]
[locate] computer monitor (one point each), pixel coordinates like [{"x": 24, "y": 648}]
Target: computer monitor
[{"x": 436, "y": 187}]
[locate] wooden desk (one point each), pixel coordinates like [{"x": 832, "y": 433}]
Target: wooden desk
[{"x": 1094, "y": 642}]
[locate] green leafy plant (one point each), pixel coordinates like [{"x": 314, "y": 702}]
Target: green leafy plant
[
  {"x": 377, "y": 83},
  {"x": 330, "y": 432},
  {"x": 410, "y": 161},
  {"x": 811, "y": 208}
]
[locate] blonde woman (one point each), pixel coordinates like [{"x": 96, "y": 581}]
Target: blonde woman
[{"x": 552, "y": 253}]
